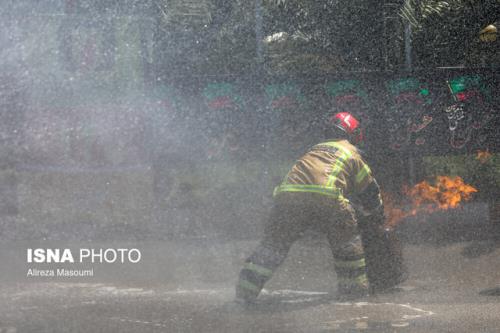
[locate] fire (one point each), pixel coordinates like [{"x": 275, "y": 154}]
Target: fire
[
  {"x": 393, "y": 214},
  {"x": 447, "y": 192},
  {"x": 483, "y": 156}
]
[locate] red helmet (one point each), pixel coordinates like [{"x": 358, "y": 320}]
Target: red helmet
[{"x": 349, "y": 124}]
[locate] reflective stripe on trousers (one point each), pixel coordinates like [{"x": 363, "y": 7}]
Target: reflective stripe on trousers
[{"x": 252, "y": 279}]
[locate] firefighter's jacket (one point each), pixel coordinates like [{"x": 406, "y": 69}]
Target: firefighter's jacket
[{"x": 335, "y": 169}]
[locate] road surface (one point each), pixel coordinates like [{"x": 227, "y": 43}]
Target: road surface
[{"x": 188, "y": 287}]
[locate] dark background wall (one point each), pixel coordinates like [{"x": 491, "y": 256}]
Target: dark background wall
[{"x": 104, "y": 135}]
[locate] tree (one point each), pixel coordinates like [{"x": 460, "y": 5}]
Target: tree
[
  {"x": 334, "y": 35},
  {"x": 447, "y": 33},
  {"x": 307, "y": 36}
]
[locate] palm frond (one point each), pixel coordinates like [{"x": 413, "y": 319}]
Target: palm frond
[
  {"x": 416, "y": 12},
  {"x": 186, "y": 12}
]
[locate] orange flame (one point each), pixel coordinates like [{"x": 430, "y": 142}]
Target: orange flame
[
  {"x": 447, "y": 193},
  {"x": 483, "y": 156},
  {"x": 393, "y": 214}
]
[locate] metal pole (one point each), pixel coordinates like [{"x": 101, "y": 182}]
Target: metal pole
[
  {"x": 409, "y": 67},
  {"x": 408, "y": 48},
  {"x": 385, "y": 50},
  {"x": 258, "y": 30}
]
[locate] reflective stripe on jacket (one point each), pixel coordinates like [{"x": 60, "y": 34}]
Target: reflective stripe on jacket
[{"x": 333, "y": 168}]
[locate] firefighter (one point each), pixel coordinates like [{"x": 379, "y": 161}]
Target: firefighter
[{"x": 325, "y": 190}]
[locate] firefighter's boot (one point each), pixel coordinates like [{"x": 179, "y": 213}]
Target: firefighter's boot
[
  {"x": 350, "y": 266},
  {"x": 251, "y": 281}
]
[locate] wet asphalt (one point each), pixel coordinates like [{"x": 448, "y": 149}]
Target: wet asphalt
[{"x": 188, "y": 287}]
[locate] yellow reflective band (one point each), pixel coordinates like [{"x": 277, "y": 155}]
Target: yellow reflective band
[
  {"x": 325, "y": 190},
  {"x": 363, "y": 173},
  {"x": 350, "y": 264},
  {"x": 339, "y": 163},
  {"x": 249, "y": 286},
  {"x": 259, "y": 269},
  {"x": 337, "y": 167},
  {"x": 361, "y": 279}
]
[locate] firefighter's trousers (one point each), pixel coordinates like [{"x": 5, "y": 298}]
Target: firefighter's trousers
[{"x": 291, "y": 215}]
